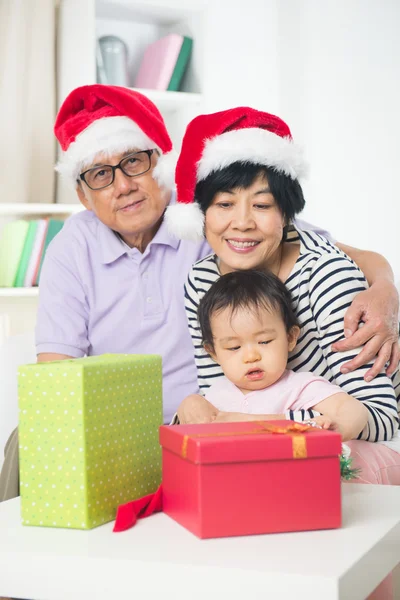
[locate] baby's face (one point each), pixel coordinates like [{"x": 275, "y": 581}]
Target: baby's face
[{"x": 251, "y": 347}]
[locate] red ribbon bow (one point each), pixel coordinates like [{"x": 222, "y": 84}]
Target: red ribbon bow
[{"x": 129, "y": 513}]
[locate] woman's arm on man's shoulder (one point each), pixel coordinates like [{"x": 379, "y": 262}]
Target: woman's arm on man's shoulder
[{"x": 378, "y": 308}]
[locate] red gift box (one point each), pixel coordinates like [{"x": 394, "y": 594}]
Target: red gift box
[{"x": 226, "y": 479}]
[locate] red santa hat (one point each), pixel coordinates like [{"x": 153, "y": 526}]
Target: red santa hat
[
  {"x": 111, "y": 119},
  {"x": 214, "y": 141}
]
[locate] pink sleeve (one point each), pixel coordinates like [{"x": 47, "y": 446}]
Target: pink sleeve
[{"x": 311, "y": 390}]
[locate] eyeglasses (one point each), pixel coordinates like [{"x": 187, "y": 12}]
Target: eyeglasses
[{"x": 133, "y": 165}]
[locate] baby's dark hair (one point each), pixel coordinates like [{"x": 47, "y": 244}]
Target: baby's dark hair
[{"x": 253, "y": 290}]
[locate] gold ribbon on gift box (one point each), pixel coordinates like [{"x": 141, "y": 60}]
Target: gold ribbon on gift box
[{"x": 295, "y": 430}]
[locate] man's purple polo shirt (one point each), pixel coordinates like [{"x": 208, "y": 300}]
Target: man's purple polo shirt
[{"x": 99, "y": 296}]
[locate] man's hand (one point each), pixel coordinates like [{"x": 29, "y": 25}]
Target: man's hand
[
  {"x": 378, "y": 308},
  {"x": 196, "y": 409}
]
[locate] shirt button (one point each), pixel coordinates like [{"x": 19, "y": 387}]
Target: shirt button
[
  {"x": 145, "y": 276},
  {"x": 149, "y": 300}
]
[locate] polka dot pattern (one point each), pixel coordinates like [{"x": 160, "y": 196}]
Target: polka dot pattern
[{"x": 88, "y": 436}]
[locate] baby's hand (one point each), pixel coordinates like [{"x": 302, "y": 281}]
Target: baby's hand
[{"x": 324, "y": 423}]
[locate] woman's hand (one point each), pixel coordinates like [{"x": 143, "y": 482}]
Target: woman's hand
[
  {"x": 196, "y": 409},
  {"x": 378, "y": 308}
]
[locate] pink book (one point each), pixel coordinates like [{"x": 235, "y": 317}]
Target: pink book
[
  {"x": 158, "y": 63},
  {"x": 36, "y": 253}
]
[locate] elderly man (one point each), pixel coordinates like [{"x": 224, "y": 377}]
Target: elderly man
[{"x": 112, "y": 280}]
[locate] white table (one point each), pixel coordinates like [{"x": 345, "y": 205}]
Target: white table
[{"x": 160, "y": 559}]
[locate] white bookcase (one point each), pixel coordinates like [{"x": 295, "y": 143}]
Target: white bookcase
[
  {"x": 138, "y": 23},
  {"x": 18, "y": 306}
]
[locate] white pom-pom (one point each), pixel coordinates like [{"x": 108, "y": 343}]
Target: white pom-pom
[
  {"x": 164, "y": 171},
  {"x": 185, "y": 221}
]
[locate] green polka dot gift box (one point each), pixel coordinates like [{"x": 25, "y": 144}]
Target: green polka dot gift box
[{"x": 88, "y": 437}]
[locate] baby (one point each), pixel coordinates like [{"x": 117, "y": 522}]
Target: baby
[{"x": 248, "y": 327}]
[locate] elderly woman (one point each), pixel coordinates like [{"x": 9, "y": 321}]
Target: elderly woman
[{"x": 238, "y": 181}]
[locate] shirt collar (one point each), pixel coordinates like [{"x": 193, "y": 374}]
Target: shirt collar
[
  {"x": 112, "y": 247},
  {"x": 234, "y": 389},
  {"x": 164, "y": 238}
]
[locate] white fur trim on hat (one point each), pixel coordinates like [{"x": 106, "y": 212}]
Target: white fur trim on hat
[
  {"x": 185, "y": 221},
  {"x": 253, "y": 145},
  {"x": 108, "y": 135},
  {"x": 164, "y": 171}
]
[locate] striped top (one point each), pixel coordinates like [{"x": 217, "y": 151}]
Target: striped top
[{"x": 323, "y": 284}]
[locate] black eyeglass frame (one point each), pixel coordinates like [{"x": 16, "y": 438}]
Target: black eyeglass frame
[{"x": 118, "y": 166}]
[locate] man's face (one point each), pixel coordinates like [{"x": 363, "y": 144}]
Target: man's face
[{"x": 131, "y": 206}]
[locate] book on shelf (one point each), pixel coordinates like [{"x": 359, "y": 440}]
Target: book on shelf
[
  {"x": 36, "y": 253},
  {"x": 11, "y": 246},
  {"x": 164, "y": 63},
  {"x": 26, "y": 254},
  {"x": 23, "y": 245},
  {"x": 54, "y": 227}
]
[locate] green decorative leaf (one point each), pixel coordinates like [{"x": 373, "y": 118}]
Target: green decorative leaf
[{"x": 346, "y": 471}]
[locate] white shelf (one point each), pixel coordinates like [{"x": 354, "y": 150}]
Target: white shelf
[
  {"x": 146, "y": 11},
  {"x": 170, "y": 101},
  {"x": 29, "y": 292},
  {"x": 39, "y": 209}
]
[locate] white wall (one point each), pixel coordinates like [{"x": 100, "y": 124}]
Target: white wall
[
  {"x": 339, "y": 68},
  {"x": 240, "y": 55}
]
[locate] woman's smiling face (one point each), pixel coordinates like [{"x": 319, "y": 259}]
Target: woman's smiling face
[{"x": 244, "y": 227}]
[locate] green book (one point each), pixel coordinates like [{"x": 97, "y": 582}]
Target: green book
[
  {"x": 26, "y": 254},
  {"x": 53, "y": 228},
  {"x": 181, "y": 64},
  {"x": 12, "y": 241}
]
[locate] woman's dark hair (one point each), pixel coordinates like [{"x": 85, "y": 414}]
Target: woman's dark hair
[
  {"x": 252, "y": 290},
  {"x": 241, "y": 175}
]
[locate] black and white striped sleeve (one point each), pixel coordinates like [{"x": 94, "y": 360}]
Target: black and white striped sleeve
[
  {"x": 191, "y": 305},
  {"x": 301, "y": 415},
  {"x": 207, "y": 369},
  {"x": 334, "y": 282}
]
